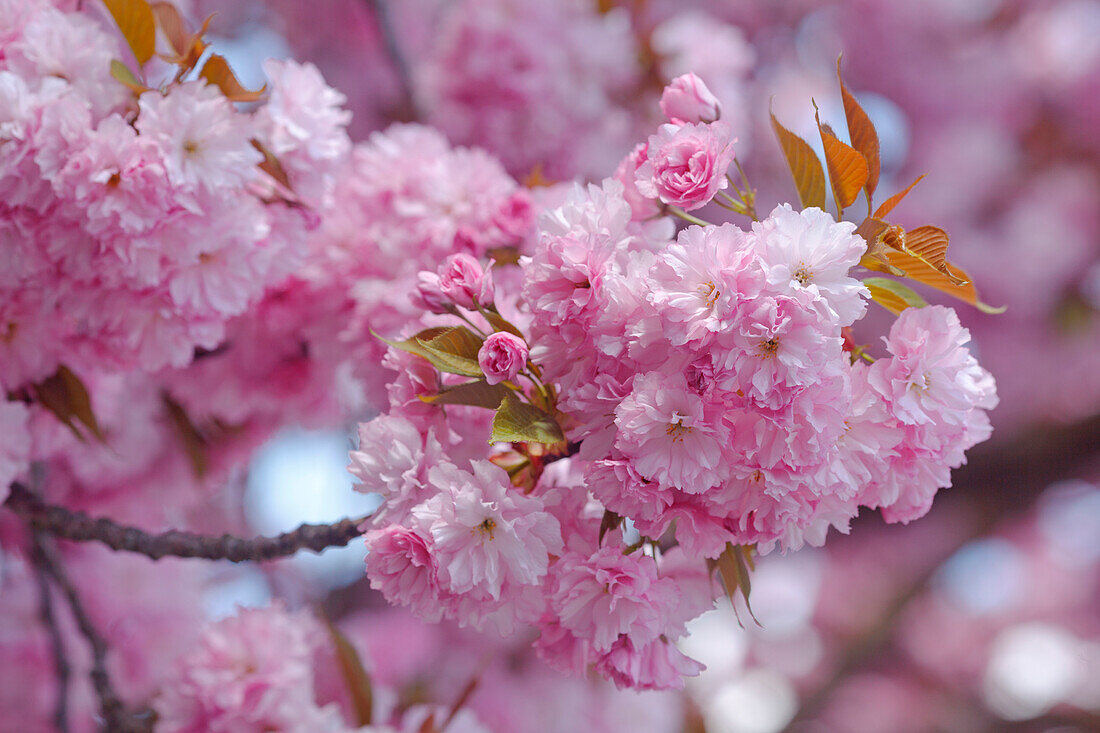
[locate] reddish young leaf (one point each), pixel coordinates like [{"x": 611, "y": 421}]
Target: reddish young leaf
[
  {"x": 217, "y": 72},
  {"x": 847, "y": 167},
  {"x": 610, "y": 521},
  {"x": 173, "y": 26},
  {"x": 873, "y": 231},
  {"x": 187, "y": 47},
  {"x": 956, "y": 284},
  {"x": 134, "y": 19},
  {"x": 862, "y": 133},
  {"x": 67, "y": 398},
  {"x": 195, "y": 445},
  {"x": 929, "y": 244},
  {"x": 271, "y": 165},
  {"x": 536, "y": 178},
  {"x": 889, "y": 204},
  {"x": 355, "y": 675},
  {"x": 805, "y": 167},
  {"x": 733, "y": 567}
]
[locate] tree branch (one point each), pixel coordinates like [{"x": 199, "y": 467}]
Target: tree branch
[
  {"x": 49, "y": 620},
  {"x": 78, "y": 526},
  {"x": 115, "y": 716}
]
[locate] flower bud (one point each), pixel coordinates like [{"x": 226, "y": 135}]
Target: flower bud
[
  {"x": 502, "y": 357},
  {"x": 686, "y": 100},
  {"x": 429, "y": 294},
  {"x": 462, "y": 280}
]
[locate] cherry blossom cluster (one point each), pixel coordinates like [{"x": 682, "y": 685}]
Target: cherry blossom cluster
[
  {"x": 135, "y": 225},
  {"x": 660, "y": 402}
]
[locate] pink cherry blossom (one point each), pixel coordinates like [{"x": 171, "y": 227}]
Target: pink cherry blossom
[
  {"x": 400, "y": 565},
  {"x": 656, "y": 665},
  {"x": 485, "y": 535},
  {"x": 641, "y": 207},
  {"x": 204, "y": 141},
  {"x": 809, "y": 254},
  {"x": 686, "y": 164},
  {"x": 697, "y": 283},
  {"x": 502, "y": 357},
  {"x": 249, "y": 672},
  {"x": 394, "y": 461},
  {"x": 607, "y": 594},
  {"x": 931, "y": 378},
  {"x": 671, "y": 435}
]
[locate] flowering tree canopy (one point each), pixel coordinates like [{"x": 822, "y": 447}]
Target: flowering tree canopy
[{"x": 601, "y": 356}]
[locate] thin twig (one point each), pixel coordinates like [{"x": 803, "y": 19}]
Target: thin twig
[
  {"x": 78, "y": 526},
  {"x": 397, "y": 58},
  {"x": 57, "y": 646},
  {"x": 115, "y": 717}
]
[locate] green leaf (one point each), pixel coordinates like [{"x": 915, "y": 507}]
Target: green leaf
[
  {"x": 478, "y": 393},
  {"x": 454, "y": 350},
  {"x": 356, "y": 677},
  {"x": 67, "y": 398},
  {"x": 519, "y": 422},
  {"x": 122, "y": 73},
  {"x": 134, "y": 19},
  {"x": 415, "y": 344},
  {"x": 809, "y": 176},
  {"x": 892, "y": 295}
]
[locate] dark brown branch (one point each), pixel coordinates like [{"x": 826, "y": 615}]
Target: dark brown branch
[
  {"x": 57, "y": 646},
  {"x": 78, "y": 526},
  {"x": 115, "y": 717}
]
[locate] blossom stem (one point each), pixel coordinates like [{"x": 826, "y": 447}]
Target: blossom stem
[
  {"x": 687, "y": 217},
  {"x": 78, "y": 526},
  {"x": 748, "y": 196},
  {"x": 480, "y": 333}
]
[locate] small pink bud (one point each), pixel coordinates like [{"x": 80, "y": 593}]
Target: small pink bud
[
  {"x": 686, "y": 100},
  {"x": 462, "y": 280},
  {"x": 429, "y": 294},
  {"x": 502, "y": 357}
]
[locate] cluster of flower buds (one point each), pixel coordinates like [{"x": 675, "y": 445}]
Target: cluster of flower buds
[{"x": 663, "y": 406}]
